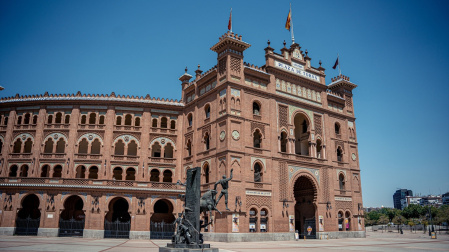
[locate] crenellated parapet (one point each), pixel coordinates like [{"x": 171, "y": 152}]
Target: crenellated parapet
[{"x": 90, "y": 97}]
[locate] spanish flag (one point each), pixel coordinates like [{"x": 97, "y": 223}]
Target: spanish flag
[{"x": 289, "y": 19}]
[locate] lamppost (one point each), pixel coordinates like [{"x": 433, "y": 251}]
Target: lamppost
[{"x": 431, "y": 222}]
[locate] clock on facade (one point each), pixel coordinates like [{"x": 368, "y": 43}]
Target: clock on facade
[
  {"x": 235, "y": 135},
  {"x": 222, "y": 135},
  {"x": 297, "y": 54}
]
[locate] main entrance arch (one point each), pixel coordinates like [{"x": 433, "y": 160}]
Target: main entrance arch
[
  {"x": 117, "y": 221},
  {"x": 28, "y": 217},
  {"x": 161, "y": 226},
  {"x": 305, "y": 192},
  {"x": 71, "y": 222}
]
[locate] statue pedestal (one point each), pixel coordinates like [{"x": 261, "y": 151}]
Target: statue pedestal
[{"x": 187, "y": 248}]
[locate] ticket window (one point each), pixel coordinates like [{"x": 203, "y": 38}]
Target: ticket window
[
  {"x": 263, "y": 220},
  {"x": 252, "y": 220}
]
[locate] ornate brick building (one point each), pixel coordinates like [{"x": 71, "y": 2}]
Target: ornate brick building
[{"x": 107, "y": 165}]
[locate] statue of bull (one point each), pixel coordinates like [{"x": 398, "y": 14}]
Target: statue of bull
[{"x": 207, "y": 202}]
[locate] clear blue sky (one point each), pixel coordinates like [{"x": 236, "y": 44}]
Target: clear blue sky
[{"x": 396, "y": 51}]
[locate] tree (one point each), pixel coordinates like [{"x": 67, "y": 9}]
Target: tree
[
  {"x": 442, "y": 215},
  {"x": 399, "y": 219},
  {"x": 383, "y": 219}
]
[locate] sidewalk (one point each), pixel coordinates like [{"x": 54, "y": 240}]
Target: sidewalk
[{"x": 374, "y": 242}]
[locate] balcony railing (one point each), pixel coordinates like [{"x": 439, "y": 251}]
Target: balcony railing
[
  {"x": 20, "y": 155},
  {"x": 53, "y": 155},
  {"x": 163, "y": 130},
  {"x": 124, "y": 158},
  {"x": 57, "y": 125},
  {"x": 24, "y": 127},
  {"x": 162, "y": 160},
  {"x": 91, "y": 126},
  {"x": 127, "y": 127},
  {"x": 88, "y": 156}
]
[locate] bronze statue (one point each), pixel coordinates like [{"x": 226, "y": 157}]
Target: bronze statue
[{"x": 224, "y": 191}]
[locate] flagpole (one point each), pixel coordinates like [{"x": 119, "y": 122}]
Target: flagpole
[
  {"x": 339, "y": 69},
  {"x": 291, "y": 22},
  {"x": 231, "y": 19}
]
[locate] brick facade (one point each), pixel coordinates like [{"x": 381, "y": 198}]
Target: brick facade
[{"x": 289, "y": 138}]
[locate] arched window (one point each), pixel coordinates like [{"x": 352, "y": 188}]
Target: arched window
[
  {"x": 13, "y": 171},
  {"x": 263, "y": 220},
  {"x": 252, "y": 220},
  {"x": 128, "y": 119},
  {"x": 83, "y": 146},
  {"x": 207, "y": 110},
  {"x": 132, "y": 148},
  {"x": 257, "y": 172},
  {"x": 119, "y": 120},
  {"x": 173, "y": 124},
  {"x": 19, "y": 120},
  {"x": 283, "y": 141},
  {"x": 348, "y": 221},
  {"x": 58, "y": 117},
  {"x": 257, "y": 139},
  {"x": 206, "y": 173},
  {"x": 339, "y": 154},
  {"x": 95, "y": 148},
  {"x": 341, "y": 181},
  {"x": 256, "y": 108},
  {"x": 48, "y": 148},
  {"x": 1, "y": 146},
  {"x": 319, "y": 147},
  {"x": 28, "y": 145},
  {"x": 60, "y": 146},
  {"x": 80, "y": 172},
  {"x": 164, "y": 122},
  {"x": 154, "y": 124},
  {"x": 57, "y": 171},
  {"x": 302, "y": 134},
  {"x": 92, "y": 118},
  {"x": 337, "y": 128},
  {"x": 117, "y": 173},
  {"x": 45, "y": 172},
  {"x": 83, "y": 119},
  {"x": 5, "y": 121},
  {"x": 101, "y": 122},
  {"x": 119, "y": 148},
  {"x": 50, "y": 119},
  {"x": 167, "y": 176},
  {"x": 24, "y": 171},
  {"x": 67, "y": 119},
  {"x": 93, "y": 172},
  {"x": 156, "y": 150},
  {"x": 168, "y": 151},
  {"x": 137, "y": 121},
  {"x": 190, "y": 119},
  {"x": 206, "y": 140},
  {"x": 130, "y": 174},
  {"x": 189, "y": 148},
  {"x": 17, "y": 146},
  {"x": 35, "y": 119},
  {"x": 154, "y": 175},
  {"x": 27, "y": 119},
  {"x": 340, "y": 217}
]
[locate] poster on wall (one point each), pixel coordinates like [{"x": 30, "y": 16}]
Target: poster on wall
[
  {"x": 320, "y": 223},
  {"x": 291, "y": 223},
  {"x": 347, "y": 223},
  {"x": 235, "y": 223},
  {"x": 359, "y": 221}
]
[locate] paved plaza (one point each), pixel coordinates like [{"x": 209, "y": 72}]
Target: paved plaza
[{"x": 374, "y": 242}]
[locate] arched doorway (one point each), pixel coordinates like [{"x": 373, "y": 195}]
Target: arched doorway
[
  {"x": 71, "y": 221},
  {"x": 161, "y": 226},
  {"x": 28, "y": 217},
  {"x": 304, "y": 192},
  {"x": 117, "y": 222}
]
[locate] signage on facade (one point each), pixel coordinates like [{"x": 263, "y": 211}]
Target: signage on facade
[
  {"x": 296, "y": 69},
  {"x": 291, "y": 223},
  {"x": 320, "y": 223},
  {"x": 343, "y": 199},
  {"x": 258, "y": 193},
  {"x": 235, "y": 223}
]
